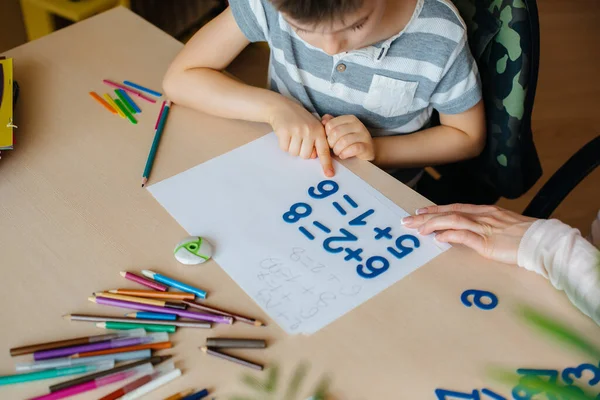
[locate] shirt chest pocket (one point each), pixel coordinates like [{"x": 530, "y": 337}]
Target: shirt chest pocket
[{"x": 390, "y": 97}]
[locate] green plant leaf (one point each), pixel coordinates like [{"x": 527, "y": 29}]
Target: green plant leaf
[
  {"x": 254, "y": 383},
  {"x": 322, "y": 389},
  {"x": 296, "y": 382},
  {"x": 272, "y": 379}
]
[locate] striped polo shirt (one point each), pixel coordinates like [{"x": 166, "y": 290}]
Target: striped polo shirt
[{"x": 391, "y": 86}]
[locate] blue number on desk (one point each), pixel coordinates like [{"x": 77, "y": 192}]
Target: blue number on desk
[
  {"x": 373, "y": 271},
  {"x": 577, "y": 372},
  {"x": 403, "y": 251},
  {"x": 492, "y": 395},
  {"x": 348, "y": 237},
  {"x": 321, "y": 192},
  {"x": 293, "y": 215},
  {"x": 477, "y": 296},
  {"x": 443, "y": 393}
]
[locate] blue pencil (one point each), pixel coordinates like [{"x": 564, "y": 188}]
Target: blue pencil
[
  {"x": 143, "y": 89},
  {"x": 151, "y": 315},
  {"x": 197, "y": 396},
  {"x": 129, "y": 100},
  {"x": 173, "y": 283},
  {"x": 162, "y": 120}
]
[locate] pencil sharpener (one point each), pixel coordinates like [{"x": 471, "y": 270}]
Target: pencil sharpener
[{"x": 193, "y": 250}]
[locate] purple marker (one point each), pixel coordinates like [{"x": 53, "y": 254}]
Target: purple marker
[
  {"x": 146, "y": 307},
  {"x": 84, "y": 348}
]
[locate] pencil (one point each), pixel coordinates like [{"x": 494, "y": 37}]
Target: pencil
[
  {"x": 224, "y": 343},
  {"x": 162, "y": 108},
  {"x": 149, "y": 346},
  {"x": 151, "y": 315},
  {"x": 88, "y": 378},
  {"x": 142, "y": 88},
  {"x": 174, "y": 283},
  {"x": 154, "y": 147},
  {"x": 55, "y": 373},
  {"x": 103, "y": 102},
  {"x": 141, "y": 300},
  {"x": 127, "y": 388},
  {"x": 180, "y": 395},
  {"x": 146, "y": 307},
  {"x": 19, "y": 351},
  {"x": 157, "y": 381},
  {"x": 94, "y": 318},
  {"x": 233, "y": 359},
  {"x": 112, "y": 103},
  {"x": 127, "y": 326},
  {"x": 213, "y": 310},
  {"x": 125, "y": 111},
  {"x": 127, "y": 103},
  {"x": 143, "y": 281},
  {"x": 197, "y": 396},
  {"x": 153, "y": 294},
  {"x": 129, "y": 90}
]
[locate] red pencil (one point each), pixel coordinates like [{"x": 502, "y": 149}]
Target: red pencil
[{"x": 127, "y": 388}]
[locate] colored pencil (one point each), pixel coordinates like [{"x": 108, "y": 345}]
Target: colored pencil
[
  {"x": 71, "y": 362},
  {"x": 127, "y": 388},
  {"x": 88, "y": 378},
  {"x": 147, "y": 327},
  {"x": 141, "y": 300},
  {"x": 142, "y": 88},
  {"x": 180, "y": 395},
  {"x": 128, "y": 90},
  {"x": 125, "y": 111},
  {"x": 94, "y": 318},
  {"x": 55, "y": 373},
  {"x": 97, "y": 383},
  {"x": 217, "y": 311},
  {"x": 111, "y": 344},
  {"x": 230, "y": 358},
  {"x": 145, "y": 307},
  {"x": 198, "y": 395},
  {"x": 112, "y": 103},
  {"x": 103, "y": 102},
  {"x": 156, "y": 382},
  {"x": 153, "y": 294},
  {"x": 174, "y": 283},
  {"x": 150, "y": 346},
  {"x": 143, "y": 281},
  {"x": 162, "y": 108},
  {"x": 225, "y": 343},
  {"x": 127, "y": 104},
  {"x": 157, "y": 135},
  {"x": 151, "y": 315},
  {"x": 19, "y": 351}
]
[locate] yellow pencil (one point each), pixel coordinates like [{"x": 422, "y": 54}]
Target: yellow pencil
[
  {"x": 113, "y": 104},
  {"x": 142, "y": 300}
]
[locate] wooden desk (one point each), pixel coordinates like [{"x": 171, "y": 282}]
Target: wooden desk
[{"x": 72, "y": 215}]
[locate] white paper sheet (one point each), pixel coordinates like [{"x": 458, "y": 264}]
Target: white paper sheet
[{"x": 238, "y": 202}]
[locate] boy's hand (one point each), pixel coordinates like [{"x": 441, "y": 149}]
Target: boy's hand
[
  {"x": 348, "y": 137},
  {"x": 301, "y": 134}
]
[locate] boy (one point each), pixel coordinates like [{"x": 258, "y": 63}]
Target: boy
[{"x": 359, "y": 77}]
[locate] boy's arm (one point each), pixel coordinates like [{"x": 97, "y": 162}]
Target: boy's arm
[
  {"x": 459, "y": 137},
  {"x": 195, "y": 80},
  {"x": 195, "y": 77}
]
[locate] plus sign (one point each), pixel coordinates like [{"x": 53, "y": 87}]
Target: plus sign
[
  {"x": 308, "y": 290},
  {"x": 353, "y": 254},
  {"x": 383, "y": 233},
  {"x": 286, "y": 297}
]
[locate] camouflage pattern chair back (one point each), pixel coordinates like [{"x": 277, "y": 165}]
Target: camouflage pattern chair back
[{"x": 504, "y": 39}]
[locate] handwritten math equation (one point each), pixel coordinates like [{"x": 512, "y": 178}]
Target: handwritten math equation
[
  {"x": 342, "y": 240},
  {"x": 290, "y": 294},
  {"x": 531, "y": 385}
]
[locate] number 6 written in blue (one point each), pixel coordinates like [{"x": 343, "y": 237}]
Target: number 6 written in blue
[{"x": 477, "y": 296}]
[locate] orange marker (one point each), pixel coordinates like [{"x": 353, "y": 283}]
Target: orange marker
[{"x": 103, "y": 102}]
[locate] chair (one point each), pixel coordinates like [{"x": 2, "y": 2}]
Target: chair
[{"x": 504, "y": 39}]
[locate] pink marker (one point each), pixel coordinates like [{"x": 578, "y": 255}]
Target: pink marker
[{"x": 129, "y": 90}]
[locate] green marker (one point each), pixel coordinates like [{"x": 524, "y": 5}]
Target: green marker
[
  {"x": 147, "y": 327},
  {"x": 124, "y": 101},
  {"x": 56, "y": 373},
  {"x": 125, "y": 110}
]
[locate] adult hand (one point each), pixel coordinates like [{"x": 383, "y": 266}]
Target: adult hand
[{"x": 493, "y": 232}]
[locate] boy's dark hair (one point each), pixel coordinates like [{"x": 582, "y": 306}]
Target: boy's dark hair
[{"x": 315, "y": 11}]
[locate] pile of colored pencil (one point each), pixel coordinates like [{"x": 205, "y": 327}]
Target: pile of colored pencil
[
  {"x": 123, "y": 105},
  {"x": 127, "y": 352}
]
